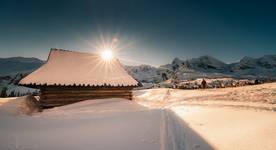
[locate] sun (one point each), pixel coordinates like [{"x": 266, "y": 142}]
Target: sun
[{"x": 107, "y": 54}]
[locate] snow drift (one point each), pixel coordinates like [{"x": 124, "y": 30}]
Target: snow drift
[{"x": 26, "y": 105}]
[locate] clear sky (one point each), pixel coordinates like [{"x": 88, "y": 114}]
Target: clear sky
[{"x": 148, "y": 31}]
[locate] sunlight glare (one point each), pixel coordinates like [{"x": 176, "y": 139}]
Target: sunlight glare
[{"x": 107, "y": 54}]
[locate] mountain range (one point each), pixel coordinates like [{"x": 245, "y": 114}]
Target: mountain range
[
  {"x": 14, "y": 65},
  {"x": 207, "y": 67}
]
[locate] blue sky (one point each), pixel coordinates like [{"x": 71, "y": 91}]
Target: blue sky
[{"x": 150, "y": 32}]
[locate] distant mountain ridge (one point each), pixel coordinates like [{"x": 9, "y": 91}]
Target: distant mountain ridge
[
  {"x": 14, "y": 65},
  {"x": 209, "y": 67}
]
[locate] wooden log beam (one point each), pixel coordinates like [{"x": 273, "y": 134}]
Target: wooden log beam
[
  {"x": 85, "y": 91},
  {"x": 81, "y": 98},
  {"x": 58, "y": 96},
  {"x": 61, "y": 102},
  {"x": 84, "y": 97},
  {"x": 84, "y": 88},
  {"x": 77, "y": 97}
]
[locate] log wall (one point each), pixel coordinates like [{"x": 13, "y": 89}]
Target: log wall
[{"x": 58, "y": 96}]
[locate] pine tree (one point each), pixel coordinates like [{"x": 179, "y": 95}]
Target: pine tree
[
  {"x": 12, "y": 94},
  {"x": 4, "y": 92}
]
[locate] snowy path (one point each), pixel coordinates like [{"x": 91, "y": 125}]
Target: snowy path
[{"x": 233, "y": 118}]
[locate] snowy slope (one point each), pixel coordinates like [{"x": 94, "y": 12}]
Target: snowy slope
[
  {"x": 261, "y": 96},
  {"x": 267, "y": 62},
  {"x": 147, "y": 73},
  {"x": 259, "y": 67},
  {"x": 203, "y": 63}
]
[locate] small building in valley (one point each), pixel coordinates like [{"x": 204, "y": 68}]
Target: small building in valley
[{"x": 69, "y": 77}]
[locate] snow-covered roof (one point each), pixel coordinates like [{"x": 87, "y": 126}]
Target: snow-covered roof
[{"x": 68, "y": 68}]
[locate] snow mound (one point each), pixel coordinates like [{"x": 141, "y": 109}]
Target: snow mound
[
  {"x": 19, "y": 105},
  {"x": 29, "y": 105}
]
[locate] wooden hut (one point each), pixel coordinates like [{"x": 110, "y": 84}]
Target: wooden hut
[{"x": 69, "y": 77}]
